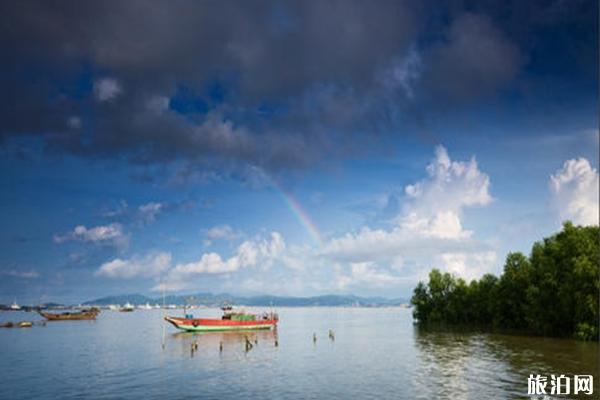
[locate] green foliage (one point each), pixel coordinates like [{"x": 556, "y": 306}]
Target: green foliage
[
  {"x": 555, "y": 291},
  {"x": 585, "y": 331}
]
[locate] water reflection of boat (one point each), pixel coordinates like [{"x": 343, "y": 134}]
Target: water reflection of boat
[
  {"x": 214, "y": 340},
  {"x": 225, "y": 336},
  {"x": 68, "y": 316},
  {"x": 231, "y": 320}
]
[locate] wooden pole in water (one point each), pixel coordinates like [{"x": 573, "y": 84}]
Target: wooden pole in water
[
  {"x": 248, "y": 344},
  {"x": 164, "y": 315}
]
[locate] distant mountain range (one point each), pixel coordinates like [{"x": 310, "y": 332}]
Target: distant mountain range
[{"x": 209, "y": 299}]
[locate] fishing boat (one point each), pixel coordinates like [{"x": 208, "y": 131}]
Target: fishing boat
[
  {"x": 231, "y": 320},
  {"x": 128, "y": 307},
  {"x": 69, "y": 316},
  {"x": 14, "y": 306}
]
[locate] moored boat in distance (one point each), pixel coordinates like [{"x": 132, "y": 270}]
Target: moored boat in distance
[
  {"x": 128, "y": 307},
  {"x": 69, "y": 316},
  {"x": 14, "y": 306},
  {"x": 231, "y": 320}
]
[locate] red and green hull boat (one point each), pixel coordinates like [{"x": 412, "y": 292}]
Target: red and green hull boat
[
  {"x": 213, "y": 324},
  {"x": 230, "y": 321}
]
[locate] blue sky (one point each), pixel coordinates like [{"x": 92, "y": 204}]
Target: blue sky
[{"x": 290, "y": 149}]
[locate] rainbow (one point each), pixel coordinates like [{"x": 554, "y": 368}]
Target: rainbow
[{"x": 301, "y": 215}]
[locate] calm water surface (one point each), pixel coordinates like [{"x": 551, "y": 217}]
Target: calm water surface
[{"x": 377, "y": 354}]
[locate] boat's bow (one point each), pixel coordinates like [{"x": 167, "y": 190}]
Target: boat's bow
[{"x": 176, "y": 322}]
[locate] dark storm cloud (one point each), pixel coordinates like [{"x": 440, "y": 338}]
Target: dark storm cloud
[
  {"x": 473, "y": 48},
  {"x": 272, "y": 48},
  {"x": 299, "y": 79},
  {"x": 272, "y": 51}
]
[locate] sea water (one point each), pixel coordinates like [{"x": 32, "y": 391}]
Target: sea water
[{"x": 374, "y": 353}]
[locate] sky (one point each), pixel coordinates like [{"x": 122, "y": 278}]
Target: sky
[{"x": 289, "y": 148}]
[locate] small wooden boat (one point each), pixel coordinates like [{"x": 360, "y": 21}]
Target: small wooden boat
[
  {"x": 69, "y": 316},
  {"x": 231, "y": 320}
]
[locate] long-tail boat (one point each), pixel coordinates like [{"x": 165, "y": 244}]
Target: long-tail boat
[
  {"x": 69, "y": 316},
  {"x": 231, "y": 320}
]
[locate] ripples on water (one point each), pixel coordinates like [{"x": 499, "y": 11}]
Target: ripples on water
[{"x": 377, "y": 354}]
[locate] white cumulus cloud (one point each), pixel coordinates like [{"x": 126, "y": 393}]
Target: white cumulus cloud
[
  {"x": 467, "y": 265},
  {"x": 151, "y": 265},
  {"x": 575, "y": 190},
  {"x": 250, "y": 253},
  {"x": 365, "y": 273},
  {"x": 428, "y": 232},
  {"x": 449, "y": 187}
]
